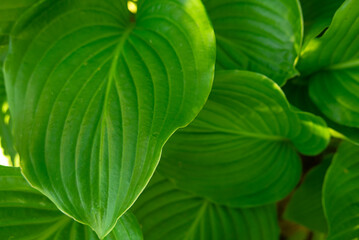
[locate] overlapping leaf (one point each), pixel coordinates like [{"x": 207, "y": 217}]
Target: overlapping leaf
[
  {"x": 258, "y": 35},
  {"x": 240, "y": 150},
  {"x": 305, "y": 206},
  {"x": 26, "y": 214},
  {"x": 317, "y": 16},
  {"x": 95, "y": 93},
  {"x": 297, "y": 92},
  {"x": 10, "y": 10},
  {"x": 341, "y": 193},
  {"x": 332, "y": 66},
  {"x": 166, "y": 212}
]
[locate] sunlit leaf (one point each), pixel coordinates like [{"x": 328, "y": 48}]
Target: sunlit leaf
[
  {"x": 241, "y": 149},
  {"x": 95, "y": 92},
  {"x": 258, "y": 35},
  {"x": 166, "y": 212},
  {"x": 26, "y": 214},
  {"x": 331, "y": 64},
  {"x": 341, "y": 194}
]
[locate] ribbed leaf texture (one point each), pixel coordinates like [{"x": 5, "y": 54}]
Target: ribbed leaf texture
[
  {"x": 341, "y": 193},
  {"x": 166, "y": 212},
  {"x": 258, "y": 35},
  {"x": 95, "y": 92},
  {"x": 241, "y": 149},
  {"x": 331, "y": 64},
  {"x": 26, "y": 214}
]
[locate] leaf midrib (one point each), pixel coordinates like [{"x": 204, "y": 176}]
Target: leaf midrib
[{"x": 111, "y": 77}]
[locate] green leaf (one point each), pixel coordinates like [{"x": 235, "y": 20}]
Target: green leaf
[
  {"x": 317, "y": 16},
  {"x": 95, "y": 93},
  {"x": 341, "y": 193},
  {"x": 331, "y": 64},
  {"x": 166, "y": 212},
  {"x": 26, "y": 214},
  {"x": 258, "y": 35},
  {"x": 10, "y": 11},
  {"x": 305, "y": 206},
  {"x": 240, "y": 150},
  {"x": 298, "y": 95}
]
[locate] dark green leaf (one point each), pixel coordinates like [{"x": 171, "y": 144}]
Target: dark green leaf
[
  {"x": 258, "y": 35},
  {"x": 317, "y": 16},
  {"x": 95, "y": 93},
  {"x": 168, "y": 213},
  {"x": 331, "y": 64},
  {"x": 298, "y": 95},
  {"x": 241, "y": 149},
  {"x": 26, "y": 214},
  {"x": 10, "y": 11},
  {"x": 305, "y": 206},
  {"x": 341, "y": 194}
]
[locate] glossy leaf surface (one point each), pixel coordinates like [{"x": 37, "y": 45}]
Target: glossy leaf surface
[
  {"x": 341, "y": 193},
  {"x": 258, "y": 35},
  {"x": 26, "y": 214},
  {"x": 241, "y": 149},
  {"x": 166, "y": 212},
  {"x": 305, "y": 206},
  {"x": 95, "y": 92},
  {"x": 332, "y": 66}
]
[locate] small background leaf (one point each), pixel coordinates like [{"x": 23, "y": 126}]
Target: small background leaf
[{"x": 305, "y": 206}]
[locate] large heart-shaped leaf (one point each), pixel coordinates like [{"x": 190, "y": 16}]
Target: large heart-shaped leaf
[
  {"x": 317, "y": 16},
  {"x": 341, "y": 193},
  {"x": 258, "y": 35},
  {"x": 95, "y": 92},
  {"x": 166, "y": 212},
  {"x": 26, "y": 214},
  {"x": 305, "y": 206},
  {"x": 331, "y": 64},
  {"x": 240, "y": 150}
]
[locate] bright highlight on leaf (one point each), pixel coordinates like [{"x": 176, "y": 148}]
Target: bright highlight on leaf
[{"x": 94, "y": 96}]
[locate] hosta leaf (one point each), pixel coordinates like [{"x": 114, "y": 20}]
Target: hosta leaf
[
  {"x": 305, "y": 206},
  {"x": 5, "y": 124},
  {"x": 10, "y": 10},
  {"x": 332, "y": 66},
  {"x": 95, "y": 93},
  {"x": 341, "y": 193},
  {"x": 258, "y": 35},
  {"x": 317, "y": 16},
  {"x": 298, "y": 95},
  {"x": 166, "y": 212},
  {"x": 240, "y": 150},
  {"x": 26, "y": 214}
]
